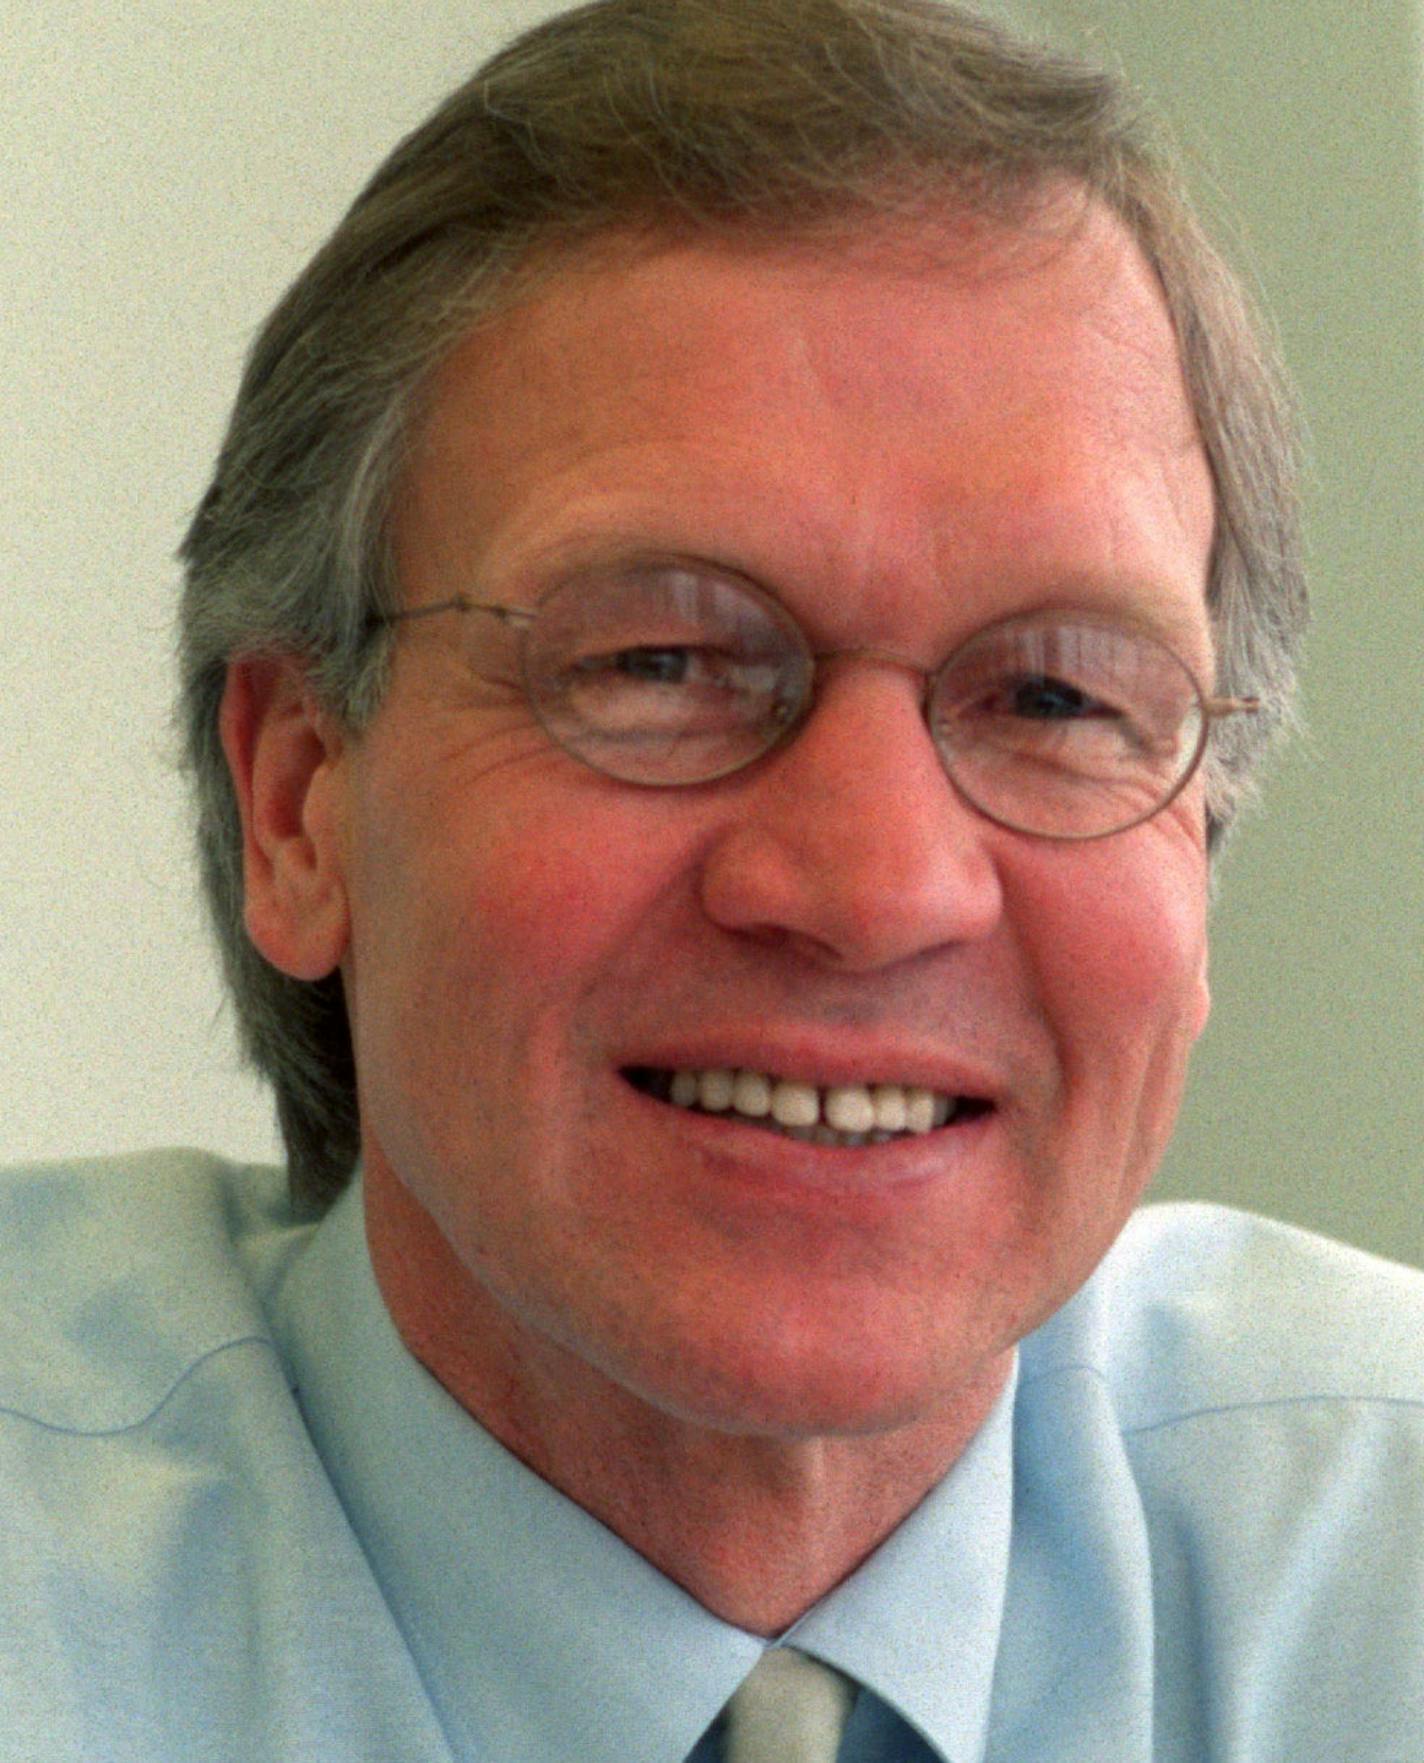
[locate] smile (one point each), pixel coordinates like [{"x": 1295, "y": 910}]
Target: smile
[{"x": 848, "y": 1115}]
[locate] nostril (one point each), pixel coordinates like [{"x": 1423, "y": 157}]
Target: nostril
[{"x": 856, "y": 885}]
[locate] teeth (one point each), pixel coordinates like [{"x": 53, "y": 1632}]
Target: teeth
[
  {"x": 848, "y": 1108},
  {"x": 715, "y": 1090},
  {"x": 841, "y": 1114},
  {"x": 891, "y": 1114},
  {"x": 795, "y": 1104},
  {"x": 751, "y": 1095}
]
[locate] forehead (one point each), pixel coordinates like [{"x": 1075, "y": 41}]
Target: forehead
[{"x": 895, "y": 400}]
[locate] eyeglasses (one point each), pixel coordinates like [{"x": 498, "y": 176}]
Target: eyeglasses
[{"x": 1065, "y": 725}]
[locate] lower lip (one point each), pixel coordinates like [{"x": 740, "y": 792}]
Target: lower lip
[{"x": 742, "y": 1150}]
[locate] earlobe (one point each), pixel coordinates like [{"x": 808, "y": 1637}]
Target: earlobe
[{"x": 285, "y": 755}]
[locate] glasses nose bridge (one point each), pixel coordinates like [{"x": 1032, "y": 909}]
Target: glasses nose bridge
[
  {"x": 824, "y": 659},
  {"x": 828, "y": 661}
]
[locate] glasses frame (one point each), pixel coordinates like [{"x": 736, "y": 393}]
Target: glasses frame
[{"x": 1211, "y": 709}]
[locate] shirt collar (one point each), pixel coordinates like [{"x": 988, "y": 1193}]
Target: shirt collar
[
  {"x": 918, "y": 1622},
  {"x": 530, "y": 1621}
]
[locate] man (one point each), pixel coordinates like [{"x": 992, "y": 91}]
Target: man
[{"x": 744, "y": 585}]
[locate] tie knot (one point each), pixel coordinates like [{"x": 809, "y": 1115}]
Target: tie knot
[{"x": 790, "y": 1710}]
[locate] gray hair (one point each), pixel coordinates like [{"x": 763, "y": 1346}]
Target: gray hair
[{"x": 763, "y": 116}]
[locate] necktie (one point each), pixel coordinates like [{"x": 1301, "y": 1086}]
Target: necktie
[{"x": 790, "y": 1710}]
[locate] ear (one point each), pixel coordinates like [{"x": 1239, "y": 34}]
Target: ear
[{"x": 285, "y": 754}]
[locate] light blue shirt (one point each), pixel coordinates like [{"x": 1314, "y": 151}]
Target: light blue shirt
[{"x": 238, "y": 1521}]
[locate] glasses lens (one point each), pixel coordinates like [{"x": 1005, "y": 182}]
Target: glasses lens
[
  {"x": 664, "y": 673},
  {"x": 1067, "y": 728}
]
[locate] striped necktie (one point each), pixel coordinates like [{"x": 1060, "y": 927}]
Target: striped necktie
[{"x": 790, "y": 1710}]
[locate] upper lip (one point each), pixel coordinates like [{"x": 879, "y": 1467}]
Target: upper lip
[{"x": 824, "y": 1059}]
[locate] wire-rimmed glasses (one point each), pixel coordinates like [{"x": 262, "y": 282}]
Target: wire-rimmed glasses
[{"x": 670, "y": 672}]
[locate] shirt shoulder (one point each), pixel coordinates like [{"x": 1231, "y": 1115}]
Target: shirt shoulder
[
  {"x": 1199, "y": 1308},
  {"x": 178, "y": 1577},
  {"x": 1231, "y": 1411},
  {"x": 119, "y": 1274}
]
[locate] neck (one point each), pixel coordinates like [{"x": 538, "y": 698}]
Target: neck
[
  {"x": 756, "y": 1529},
  {"x": 756, "y": 1526}
]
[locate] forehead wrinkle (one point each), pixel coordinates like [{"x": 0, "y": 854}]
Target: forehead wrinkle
[
  {"x": 1142, "y": 405},
  {"x": 1122, "y": 335}
]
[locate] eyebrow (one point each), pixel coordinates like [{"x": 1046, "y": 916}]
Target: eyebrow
[
  {"x": 1163, "y": 616},
  {"x": 1136, "y": 602}
]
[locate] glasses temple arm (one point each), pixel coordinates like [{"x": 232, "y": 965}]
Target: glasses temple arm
[
  {"x": 505, "y": 614},
  {"x": 1214, "y": 707}
]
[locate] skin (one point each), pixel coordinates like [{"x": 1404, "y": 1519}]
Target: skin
[{"x": 750, "y": 1357}]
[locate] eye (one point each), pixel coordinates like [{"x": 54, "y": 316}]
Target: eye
[
  {"x": 1041, "y": 698},
  {"x": 1066, "y": 726},
  {"x": 664, "y": 667},
  {"x": 661, "y": 664},
  {"x": 664, "y": 673},
  {"x": 665, "y": 690},
  {"x": 695, "y": 666}
]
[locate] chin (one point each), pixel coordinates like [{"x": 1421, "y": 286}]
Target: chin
[{"x": 778, "y": 1386}]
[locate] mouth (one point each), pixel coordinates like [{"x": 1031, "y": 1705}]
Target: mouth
[{"x": 842, "y": 1115}]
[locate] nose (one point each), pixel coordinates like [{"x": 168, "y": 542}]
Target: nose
[{"x": 849, "y": 842}]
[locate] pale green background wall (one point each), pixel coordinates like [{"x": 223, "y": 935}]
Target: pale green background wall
[{"x": 165, "y": 167}]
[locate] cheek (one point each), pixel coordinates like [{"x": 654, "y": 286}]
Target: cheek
[
  {"x": 1134, "y": 947},
  {"x": 1118, "y": 953},
  {"x": 1121, "y": 956},
  {"x": 488, "y": 902},
  {"x": 1149, "y": 956}
]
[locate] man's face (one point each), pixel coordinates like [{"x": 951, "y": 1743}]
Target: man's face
[{"x": 901, "y": 449}]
